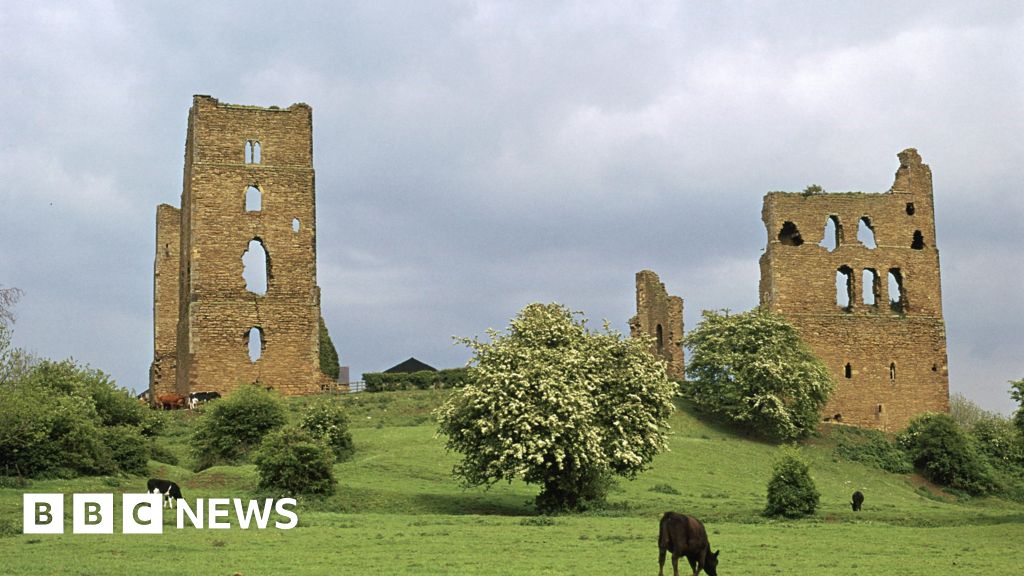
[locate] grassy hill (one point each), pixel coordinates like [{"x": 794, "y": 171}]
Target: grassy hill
[{"x": 398, "y": 510}]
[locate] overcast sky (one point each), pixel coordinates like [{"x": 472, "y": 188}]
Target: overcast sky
[{"x": 473, "y": 157}]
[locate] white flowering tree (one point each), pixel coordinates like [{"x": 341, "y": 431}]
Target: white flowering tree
[
  {"x": 754, "y": 369},
  {"x": 555, "y": 404}
]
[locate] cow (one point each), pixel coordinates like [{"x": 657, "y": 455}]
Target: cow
[
  {"x": 170, "y": 490},
  {"x": 858, "y": 501},
  {"x": 196, "y": 398},
  {"x": 685, "y": 536},
  {"x": 170, "y": 401}
]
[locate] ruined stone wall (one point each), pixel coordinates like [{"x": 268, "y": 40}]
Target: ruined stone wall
[
  {"x": 661, "y": 317},
  {"x": 162, "y": 371},
  {"x": 217, "y": 314},
  {"x": 889, "y": 357}
]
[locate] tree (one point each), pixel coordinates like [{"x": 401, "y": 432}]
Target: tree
[
  {"x": 328, "y": 354},
  {"x": 290, "y": 460},
  {"x": 556, "y": 404},
  {"x": 791, "y": 491},
  {"x": 946, "y": 455},
  {"x": 1017, "y": 393},
  {"x": 234, "y": 426},
  {"x": 8, "y": 298},
  {"x": 753, "y": 369}
]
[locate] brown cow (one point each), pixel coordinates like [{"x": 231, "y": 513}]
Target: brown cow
[
  {"x": 685, "y": 536},
  {"x": 170, "y": 401}
]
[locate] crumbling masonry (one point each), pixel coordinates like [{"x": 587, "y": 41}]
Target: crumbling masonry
[
  {"x": 661, "y": 317},
  {"x": 248, "y": 191},
  {"x": 858, "y": 274}
]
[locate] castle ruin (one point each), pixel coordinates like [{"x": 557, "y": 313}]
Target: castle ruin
[
  {"x": 247, "y": 201},
  {"x": 660, "y": 316},
  {"x": 858, "y": 275}
]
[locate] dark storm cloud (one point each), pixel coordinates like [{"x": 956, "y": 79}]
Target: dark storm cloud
[{"x": 473, "y": 157}]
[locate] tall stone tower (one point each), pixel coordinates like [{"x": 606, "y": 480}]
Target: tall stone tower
[
  {"x": 858, "y": 275},
  {"x": 247, "y": 201},
  {"x": 660, "y": 316}
]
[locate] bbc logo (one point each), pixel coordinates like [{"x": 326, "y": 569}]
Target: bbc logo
[{"x": 93, "y": 514}]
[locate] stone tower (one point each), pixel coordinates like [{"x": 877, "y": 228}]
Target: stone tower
[
  {"x": 661, "y": 317},
  {"x": 247, "y": 201},
  {"x": 858, "y": 275}
]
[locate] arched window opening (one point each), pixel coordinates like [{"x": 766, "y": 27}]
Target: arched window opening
[
  {"x": 870, "y": 287},
  {"x": 935, "y": 367},
  {"x": 918, "y": 242},
  {"x": 892, "y": 371},
  {"x": 256, "y": 267},
  {"x": 253, "y": 199},
  {"x": 910, "y": 209},
  {"x": 848, "y": 370},
  {"x": 789, "y": 235},
  {"x": 866, "y": 233},
  {"x": 660, "y": 337},
  {"x": 897, "y": 294},
  {"x": 254, "y": 342},
  {"x": 252, "y": 152},
  {"x": 844, "y": 287},
  {"x": 295, "y": 224},
  {"x": 833, "y": 234}
]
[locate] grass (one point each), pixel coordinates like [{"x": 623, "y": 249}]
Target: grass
[{"x": 398, "y": 510}]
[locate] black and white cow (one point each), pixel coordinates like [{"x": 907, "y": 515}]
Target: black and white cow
[
  {"x": 170, "y": 490},
  {"x": 196, "y": 398}
]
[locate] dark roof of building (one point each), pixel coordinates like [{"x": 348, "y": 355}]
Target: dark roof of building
[{"x": 410, "y": 365}]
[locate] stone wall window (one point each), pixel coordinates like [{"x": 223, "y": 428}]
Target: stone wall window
[
  {"x": 253, "y": 199},
  {"x": 866, "y": 233},
  {"x": 910, "y": 209},
  {"x": 892, "y": 371},
  {"x": 252, "y": 152},
  {"x": 833, "y": 234},
  {"x": 870, "y": 287},
  {"x": 660, "y": 337},
  {"x": 897, "y": 294},
  {"x": 848, "y": 370},
  {"x": 254, "y": 343},
  {"x": 918, "y": 242},
  {"x": 844, "y": 288},
  {"x": 256, "y": 267},
  {"x": 789, "y": 235},
  {"x": 295, "y": 224}
]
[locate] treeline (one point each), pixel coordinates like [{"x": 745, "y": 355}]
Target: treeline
[{"x": 423, "y": 380}]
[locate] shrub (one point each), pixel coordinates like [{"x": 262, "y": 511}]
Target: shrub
[
  {"x": 162, "y": 453},
  {"x": 945, "y": 455},
  {"x": 791, "y": 491},
  {"x": 234, "y": 426},
  {"x": 753, "y": 369},
  {"x": 129, "y": 451},
  {"x": 325, "y": 420},
  {"x": 292, "y": 461},
  {"x": 1000, "y": 441},
  {"x": 328, "y": 354},
  {"x": 871, "y": 447}
]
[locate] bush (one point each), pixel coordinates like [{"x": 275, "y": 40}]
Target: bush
[
  {"x": 325, "y": 420},
  {"x": 753, "y": 369},
  {"x": 791, "y": 491},
  {"x": 328, "y": 354},
  {"x": 871, "y": 447},
  {"x": 128, "y": 449},
  {"x": 292, "y": 461},
  {"x": 1000, "y": 441},
  {"x": 423, "y": 380},
  {"x": 234, "y": 426},
  {"x": 945, "y": 455}
]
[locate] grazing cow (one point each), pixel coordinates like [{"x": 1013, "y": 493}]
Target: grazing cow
[
  {"x": 169, "y": 489},
  {"x": 170, "y": 401},
  {"x": 685, "y": 536},
  {"x": 858, "y": 500}
]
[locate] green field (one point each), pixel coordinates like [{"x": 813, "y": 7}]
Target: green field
[{"x": 398, "y": 510}]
